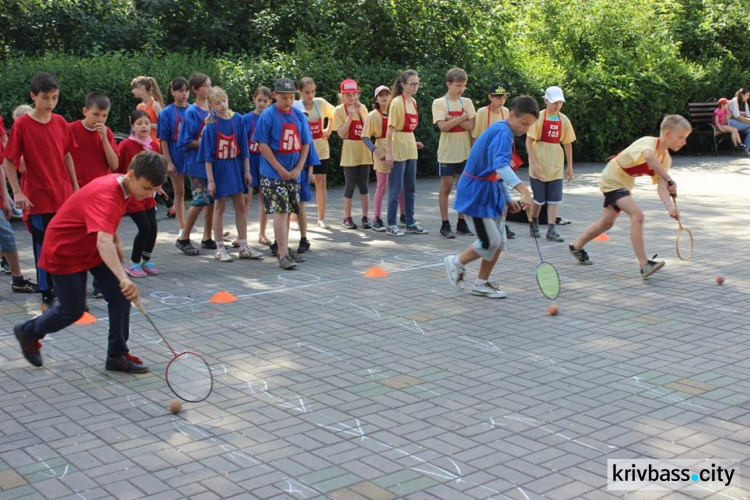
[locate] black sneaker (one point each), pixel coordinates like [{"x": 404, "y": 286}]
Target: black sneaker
[
  {"x": 30, "y": 348},
  {"x": 463, "y": 228},
  {"x": 651, "y": 267},
  {"x": 509, "y": 233},
  {"x": 378, "y": 225},
  {"x": 304, "y": 245},
  {"x": 97, "y": 293},
  {"x": 366, "y": 223},
  {"x": 447, "y": 232},
  {"x": 208, "y": 244},
  {"x": 4, "y": 265},
  {"x": 296, "y": 258},
  {"x": 402, "y": 219},
  {"x": 47, "y": 303},
  {"x": 25, "y": 286},
  {"x": 275, "y": 249},
  {"x": 349, "y": 223},
  {"x": 581, "y": 255},
  {"x": 126, "y": 363}
]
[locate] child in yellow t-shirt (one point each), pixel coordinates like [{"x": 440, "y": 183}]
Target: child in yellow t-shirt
[
  {"x": 646, "y": 156},
  {"x": 454, "y": 116},
  {"x": 486, "y": 116},
  {"x": 320, "y": 118},
  {"x": 377, "y": 128},
  {"x": 349, "y": 120},
  {"x": 495, "y": 111},
  {"x": 546, "y": 160}
]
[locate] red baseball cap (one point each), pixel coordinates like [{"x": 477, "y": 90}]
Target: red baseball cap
[
  {"x": 349, "y": 86},
  {"x": 723, "y": 101}
]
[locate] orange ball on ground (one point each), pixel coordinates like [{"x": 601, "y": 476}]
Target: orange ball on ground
[{"x": 553, "y": 310}]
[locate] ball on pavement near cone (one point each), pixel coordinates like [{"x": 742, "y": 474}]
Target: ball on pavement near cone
[
  {"x": 720, "y": 280},
  {"x": 553, "y": 310},
  {"x": 175, "y": 406}
]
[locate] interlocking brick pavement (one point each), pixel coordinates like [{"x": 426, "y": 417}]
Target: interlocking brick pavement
[{"x": 332, "y": 385}]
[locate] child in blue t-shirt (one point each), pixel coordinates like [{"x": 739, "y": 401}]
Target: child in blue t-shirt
[
  {"x": 484, "y": 190},
  {"x": 284, "y": 141},
  {"x": 262, "y": 98},
  {"x": 188, "y": 138},
  {"x": 168, "y": 130},
  {"x": 224, "y": 151}
]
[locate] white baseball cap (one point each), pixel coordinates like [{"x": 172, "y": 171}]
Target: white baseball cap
[{"x": 554, "y": 94}]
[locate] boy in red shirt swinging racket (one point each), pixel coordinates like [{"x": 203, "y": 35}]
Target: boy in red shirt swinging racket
[{"x": 82, "y": 238}]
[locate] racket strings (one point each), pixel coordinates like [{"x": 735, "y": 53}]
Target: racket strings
[
  {"x": 189, "y": 377},
  {"x": 684, "y": 244},
  {"x": 548, "y": 280}
]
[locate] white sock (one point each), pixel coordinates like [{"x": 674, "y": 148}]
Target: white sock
[{"x": 478, "y": 282}]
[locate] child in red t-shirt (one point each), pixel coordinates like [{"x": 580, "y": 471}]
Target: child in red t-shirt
[
  {"x": 95, "y": 150},
  {"x": 83, "y": 238},
  {"x": 143, "y": 212},
  {"x": 43, "y": 140}
]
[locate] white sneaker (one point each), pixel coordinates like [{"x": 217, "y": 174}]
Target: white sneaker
[
  {"x": 250, "y": 253},
  {"x": 394, "y": 231},
  {"x": 223, "y": 255},
  {"x": 454, "y": 271},
  {"x": 324, "y": 224},
  {"x": 489, "y": 290}
]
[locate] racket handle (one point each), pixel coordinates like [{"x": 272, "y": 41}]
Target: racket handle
[{"x": 136, "y": 302}]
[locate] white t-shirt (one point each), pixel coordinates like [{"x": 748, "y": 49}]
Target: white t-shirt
[{"x": 734, "y": 109}]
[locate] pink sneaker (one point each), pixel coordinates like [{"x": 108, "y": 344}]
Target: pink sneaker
[
  {"x": 150, "y": 268},
  {"x": 135, "y": 270}
]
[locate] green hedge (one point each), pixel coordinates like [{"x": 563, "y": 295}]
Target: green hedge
[{"x": 611, "y": 98}]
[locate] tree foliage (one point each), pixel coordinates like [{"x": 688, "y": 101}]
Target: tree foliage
[{"x": 622, "y": 63}]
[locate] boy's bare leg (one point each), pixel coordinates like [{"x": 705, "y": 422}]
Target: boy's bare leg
[
  {"x": 551, "y": 213},
  {"x": 446, "y": 185},
  {"x": 240, "y": 215},
  {"x": 486, "y": 266},
  {"x": 321, "y": 195},
  {"x": 302, "y": 219},
  {"x": 629, "y": 206},
  {"x": 218, "y": 218},
  {"x": 281, "y": 232},
  {"x": 208, "y": 223},
  {"x": 609, "y": 216},
  {"x": 178, "y": 188}
]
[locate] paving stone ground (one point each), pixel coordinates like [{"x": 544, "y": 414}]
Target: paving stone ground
[{"x": 332, "y": 385}]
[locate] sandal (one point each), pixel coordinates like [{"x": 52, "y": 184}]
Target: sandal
[
  {"x": 187, "y": 248},
  {"x": 263, "y": 240}
]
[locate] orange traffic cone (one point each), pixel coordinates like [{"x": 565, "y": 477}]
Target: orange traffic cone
[
  {"x": 602, "y": 237},
  {"x": 376, "y": 272},
  {"x": 86, "y": 319},
  {"x": 223, "y": 297}
]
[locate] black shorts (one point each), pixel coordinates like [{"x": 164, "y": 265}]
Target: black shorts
[
  {"x": 611, "y": 197},
  {"x": 321, "y": 169}
]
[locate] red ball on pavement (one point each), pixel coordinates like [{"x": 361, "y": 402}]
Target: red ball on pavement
[
  {"x": 553, "y": 310},
  {"x": 720, "y": 280}
]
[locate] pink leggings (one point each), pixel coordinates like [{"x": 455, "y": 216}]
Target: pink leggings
[{"x": 380, "y": 193}]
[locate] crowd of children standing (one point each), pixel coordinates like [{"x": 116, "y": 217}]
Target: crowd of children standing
[{"x": 277, "y": 150}]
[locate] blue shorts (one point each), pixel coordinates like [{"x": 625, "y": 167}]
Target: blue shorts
[
  {"x": 550, "y": 192},
  {"x": 7, "y": 236},
  {"x": 611, "y": 197},
  {"x": 451, "y": 169},
  {"x": 304, "y": 186},
  {"x": 199, "y": 189}
]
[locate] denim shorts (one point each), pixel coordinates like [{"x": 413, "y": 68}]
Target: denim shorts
[
  {"x": 7, "y": 236},
  {"x": 547, "y": 191}
]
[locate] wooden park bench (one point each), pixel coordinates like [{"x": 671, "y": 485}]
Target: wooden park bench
[{"x": 701, "y": 116}]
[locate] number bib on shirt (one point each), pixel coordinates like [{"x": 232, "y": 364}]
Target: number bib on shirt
[
  {"x": 551, "y": 131},
  {"x": 454, "y": 114},
  {"x": 226, "y": 146},
  {"x": 355, "y": 129},
  {"x": 290, "y": 141},
  {"x": 411, "y": 120},
  {"x": 253, "y": 146},
  {"x": 316, "y": 129}
]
